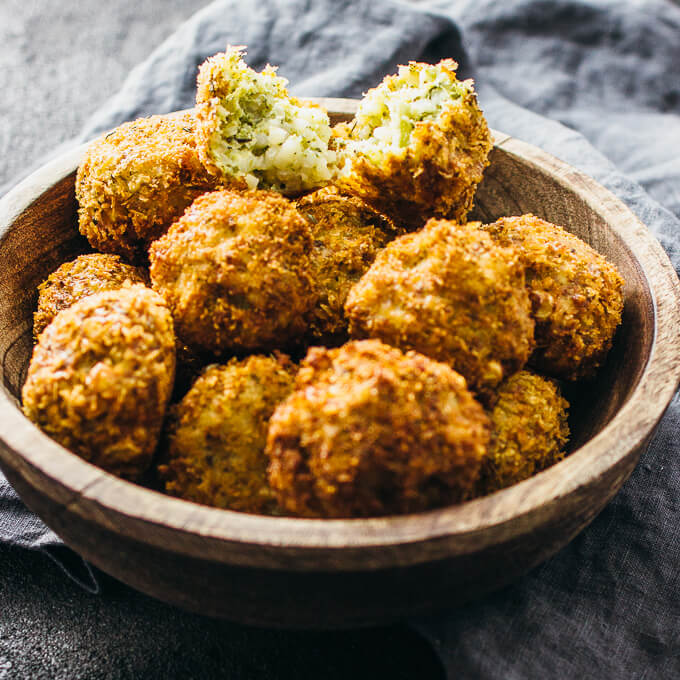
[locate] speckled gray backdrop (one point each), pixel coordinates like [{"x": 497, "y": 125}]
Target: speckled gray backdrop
[{"x": 59, "y": 61}]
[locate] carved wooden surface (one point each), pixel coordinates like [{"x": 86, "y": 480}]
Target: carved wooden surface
[{"x": 326, "y": 573}]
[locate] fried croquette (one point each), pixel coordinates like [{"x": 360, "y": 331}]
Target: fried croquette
[
  {"x": 529, "y": 431},
  {"x": 576, "y": 295},
  {"x": 347, "y": 235},
  {"x": 417, "y": 146},
  {"x": 373, "y": 431},
  {"x": 135, "y": 181},
  {"x": 216, "y": 455},
  {"x": 254, "y": 135},
  {"x": 101, "y": 375},
  {"x": 451, "y": 293},
  {"x": 234, "y": 270},
  {"x": 74, "y": 280}
]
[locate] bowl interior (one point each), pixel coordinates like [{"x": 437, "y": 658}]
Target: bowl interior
[{"x": 42, "y": 237}]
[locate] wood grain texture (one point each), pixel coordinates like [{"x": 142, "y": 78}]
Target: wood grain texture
[{"x": 332, "y": 573}]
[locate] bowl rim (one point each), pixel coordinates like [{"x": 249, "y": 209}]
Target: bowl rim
[{"x": 373, "y": 543}]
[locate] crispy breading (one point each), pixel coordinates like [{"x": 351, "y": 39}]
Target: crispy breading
[
  {"x": 234, "y": 271},
  {"x": 451, "y": 293},
  {"x": 216, "y": 454},
  {"x": 347, "y": 235},
  {"x": 529, "y": 431},
  {"x": 101, "y": 375},
  {"x": 576, "y": 295},
  {"x": 135, "y": 181},
  {"x": 373, "y": 431},
  {"x": 440, "y": 157},
  {"x": 74, "y": 280}
]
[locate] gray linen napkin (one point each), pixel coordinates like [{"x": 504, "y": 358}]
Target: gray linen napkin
[{"x": 594, "y": 83}]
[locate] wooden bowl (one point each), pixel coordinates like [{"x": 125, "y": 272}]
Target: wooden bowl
[{"x": 335, "y": 573}]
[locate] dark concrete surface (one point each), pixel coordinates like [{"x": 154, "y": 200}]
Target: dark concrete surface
[
  {"x": 58, "y": 62},
  {"x": 50, "y": 628}
]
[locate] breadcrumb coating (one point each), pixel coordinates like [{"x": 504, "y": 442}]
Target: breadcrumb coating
[
  {"x": 418, "y": 145},
  {"x": 135, "y": 181},
  {"x": 451, "y": 293},
  {"x": 576, "y": 295},
  {"x": 74, "y": 280},
  {"x": 373, "y": 431},
  {"x": 101, "y": 376},
  {"x": 529, "y": 431},
  {"x": 216, "y": 454},
  {"x": 234, "y": 271}
]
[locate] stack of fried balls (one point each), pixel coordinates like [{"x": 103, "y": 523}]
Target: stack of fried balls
[{"x": 289, "y": 318}]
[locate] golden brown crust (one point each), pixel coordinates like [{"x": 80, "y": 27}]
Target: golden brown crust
[
  {"x": 234, "y": 272},
  {"x": 451, "y": 293},
  {"x": 576, "y": 295},
  {"x": 435, "y": 176},
  {"x": 216, "y": 454},
  {"x": 135, "y": 181},
  {"x": 529, "y": 431},
  {"x": 347, "y": 235},
  {"x": 100, "y": 378},
  {"x": 372, "y": 431},
  {"x": 74, "y": 280}
]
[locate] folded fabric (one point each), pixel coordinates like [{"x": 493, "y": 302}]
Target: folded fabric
[{"x": 594, "y": 83}]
